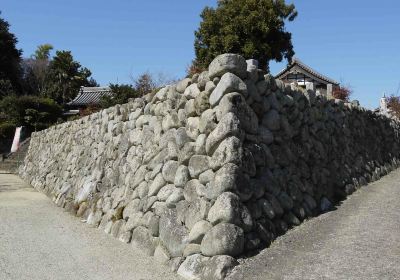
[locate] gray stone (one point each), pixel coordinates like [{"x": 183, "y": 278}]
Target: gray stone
[
  {"x": 226, "y": 179},
  {"x": 204, "y": 78},
  {"x": 218, "y": 267},
  {"x": 190, "y": 191},
  {"x": 228, "y": 209},
  {"x": 172, "y": 233},
  {"x": 267, "y": 208},
  {"x": 125, "y": 236},
  {"x": 272, "y": 120},
  {"x": 176, "y": 196},
  {"x": 142, "y": 239},
  {"x": 192, "y": 267},
  {"x": 196, "y": 211},
  {"x": 161, "y": 254},
  {"x": 229, "y": 83},
  {"x": 276, "y": 206},
  {"x": 169, "y": 170},
  {"x": 210, "y": 86},
  {"x": 229, "y": 151},
  {"x": 116, "y": 227},
  {"x": 190, "y": 108},
  {"x": 134, "y": 221},
  {"x": 228, "y": 126},
  {"x": 182, "y": 176},
  {"x": 181, "y": 137},
  {"x": 265, "y": 135},
  {"x": 235, "y": 103},
  {"x": 325, "y": 204},
  {"x": 186, "y": 153},
  {"x": 200, "y": 148},
  {"x": 223, "y": 239},
  {"x": 201, "y": 102},
  {"x": 94, "y": 218},
  {"x": 165, "y": 192},
  {"x": 183, "y": 84},
  {"x": 208, "y": 121},
  {"x": 198, "y": 231},
  {"x": 206, "y": 177},
  {"x": 191, "y": 91},
  {"x": 224, "y": 63},
  {"x": 191, "y": 249},
  {"x": 156, "y": 185},
  {"x": 192, "y": 127},
  {"x": 198, "y": 164}
]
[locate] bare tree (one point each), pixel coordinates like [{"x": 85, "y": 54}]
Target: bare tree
[{"x": 149, "y": 82}]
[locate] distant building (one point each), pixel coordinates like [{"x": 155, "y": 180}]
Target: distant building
[
  {"x": 306, "y": 77},
  {"x": 87, "y": 96},
  {"x": 384, "y": 108}
]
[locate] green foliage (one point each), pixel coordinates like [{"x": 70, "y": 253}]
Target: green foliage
[
  {"x": 10, "y": 57},
  {"x": 251, "y": 28},
  {"x": 7, "y": 130},
  {"x": 35, "y": 113},
  {"x": 121, "y": 95},
  {"x": 64, "y": 78},
  {"x": 6, "y": 88},
  {"x": 43, "y": 52}
]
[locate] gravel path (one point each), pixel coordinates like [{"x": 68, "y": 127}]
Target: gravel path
[
  {"x": 40, "y": 241},
  {"x": 359, "y": 240}
]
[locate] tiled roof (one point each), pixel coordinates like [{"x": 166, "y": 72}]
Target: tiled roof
[
  {"x": 308, "y": 69},
  {"x": 90, "y": 95}
]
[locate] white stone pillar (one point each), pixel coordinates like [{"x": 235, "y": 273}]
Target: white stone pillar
[{"x": 329, "y": 91}]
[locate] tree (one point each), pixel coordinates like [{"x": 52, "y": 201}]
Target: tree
[
  {"x": 35, "y": 70},
  {"x": 251, "y": 28},
  {"x": 33, "y": 112},
  {"x": 121, "y": 94},
  {"x": 394, "y": 105},
  {"x": 64, "y": 78},
  {"x": 144, "y": 84},
  {"x": 10, "y": 58},
  {"x": 43, "y": 52},
  {"x": 342, "y": 92}
]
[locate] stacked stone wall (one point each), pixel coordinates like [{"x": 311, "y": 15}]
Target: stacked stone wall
[{"x": 213, "y": 168}]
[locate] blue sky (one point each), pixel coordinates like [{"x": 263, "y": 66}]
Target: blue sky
[{"x": 356, "y": 42}]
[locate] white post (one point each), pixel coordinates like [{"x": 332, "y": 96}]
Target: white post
[{"x": 329, "y": 91}]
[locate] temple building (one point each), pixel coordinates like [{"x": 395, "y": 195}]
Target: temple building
[
  {"x": 308, "y": 78},
  {"x": 87, "y": 96}
]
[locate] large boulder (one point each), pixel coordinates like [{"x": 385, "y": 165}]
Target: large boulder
[
  {"x": 198, "y": 164},
  {"x": 142, "y": 239},
  {"x": 229, "y": 83},
  {"x": 225, "y": 63},
  {"x": 235, "y": 103},
  {"x": 172, "y": 233},
  {"x": 228, "y": 126},
  {"x": 229, "y": 178},
  {"x": 228, "y": 209},
  {"x": 192, "y": 267},
  {"x": 223, "y": 239},
  {"x": 229, "y": 151}
]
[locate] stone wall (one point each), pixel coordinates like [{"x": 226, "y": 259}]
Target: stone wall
[{"x": 213, "y": 168}]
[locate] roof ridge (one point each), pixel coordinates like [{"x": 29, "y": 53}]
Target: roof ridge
[{"x": 297, "y": 61}]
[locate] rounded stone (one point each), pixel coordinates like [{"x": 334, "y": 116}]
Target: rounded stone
[
  {"x": 225, "y": 63},
  {"x": 223, "y": 239}
]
